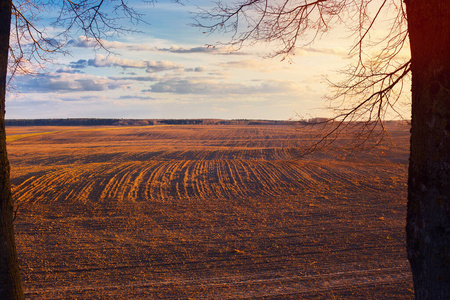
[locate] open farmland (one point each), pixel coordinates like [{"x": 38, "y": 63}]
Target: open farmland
[{"x": 210, "y": 212}]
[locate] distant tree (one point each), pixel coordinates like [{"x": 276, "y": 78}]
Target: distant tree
[
  {"x": 373, "y": 87},
  {"x": 96, "y": 19}
]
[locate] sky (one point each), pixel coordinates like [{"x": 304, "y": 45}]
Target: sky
[{"x": 167, "y": 71}]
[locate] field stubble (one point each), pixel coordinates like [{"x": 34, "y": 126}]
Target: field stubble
[{"x": 211, "y": 212}]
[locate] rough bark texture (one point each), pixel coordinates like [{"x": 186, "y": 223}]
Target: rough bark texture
[
  {"x": 10, "y": 283},
  {"x": 428, "y": 219}
]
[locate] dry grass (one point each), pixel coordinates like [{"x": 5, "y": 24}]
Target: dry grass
[
  {"x": 15, "y": 137},
  {"x": 211, "y": 212}
]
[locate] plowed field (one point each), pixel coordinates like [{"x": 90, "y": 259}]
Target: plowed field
[{"x": 207, "y": 212}]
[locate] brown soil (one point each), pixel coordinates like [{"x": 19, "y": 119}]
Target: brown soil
[{"x": 210, "y": 212}]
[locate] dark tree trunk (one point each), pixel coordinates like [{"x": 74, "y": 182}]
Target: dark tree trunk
[
  {"x": 428, "y": 219},
  {"x": 10, "y": 284}
]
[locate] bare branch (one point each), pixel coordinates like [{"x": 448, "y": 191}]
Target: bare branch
[
  {"x": 374, "y": 83},
  {"x": 95, "y": 19},
  {"x": 358, "y": 116},
  {"x": 263, "y": 21}
]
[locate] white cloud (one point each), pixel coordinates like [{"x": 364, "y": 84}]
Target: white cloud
[
  {"x": 262, "y": 66},
  {"x": 185, "y": 50},
  {"x": 137, "y": 78},
  {"x": 150, "y": 66},
  {"x": 202, "y": 85},
  {"x": 83, "y": 42},
  {"x": 79, "y": 64},
  {"x": 196, "y": 69},
  {"x": 66, "y": 82},
  {"x": 159, "y": 66},
  {"x": 69, "y": 70},
  {"x": 137, "y": 97},
  {"x": 321, "y": 51},
  {"x": 244, "y": 64}
]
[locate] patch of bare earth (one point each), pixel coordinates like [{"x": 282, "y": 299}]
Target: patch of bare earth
[{"x": 210, "y": 212}]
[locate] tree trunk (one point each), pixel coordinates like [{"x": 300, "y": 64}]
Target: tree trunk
[
  {"x": 10, "y": 284},
  {"x": 428, "y": 218}
]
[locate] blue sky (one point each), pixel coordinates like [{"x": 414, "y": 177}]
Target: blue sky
[{"x": 166, "y": 71}]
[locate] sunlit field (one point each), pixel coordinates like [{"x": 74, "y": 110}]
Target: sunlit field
[{"x": 207, "y": 212}]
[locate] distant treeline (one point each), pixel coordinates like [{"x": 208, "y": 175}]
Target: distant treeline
[{"x": 137, "y": 122}]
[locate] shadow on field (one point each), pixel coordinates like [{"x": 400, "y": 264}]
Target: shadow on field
[{"x": 210, "y": 212}]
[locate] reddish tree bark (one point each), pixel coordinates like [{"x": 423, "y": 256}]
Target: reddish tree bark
[
  {"x": 428, "y": 218},
  {"x": 10, "y": 283}
]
